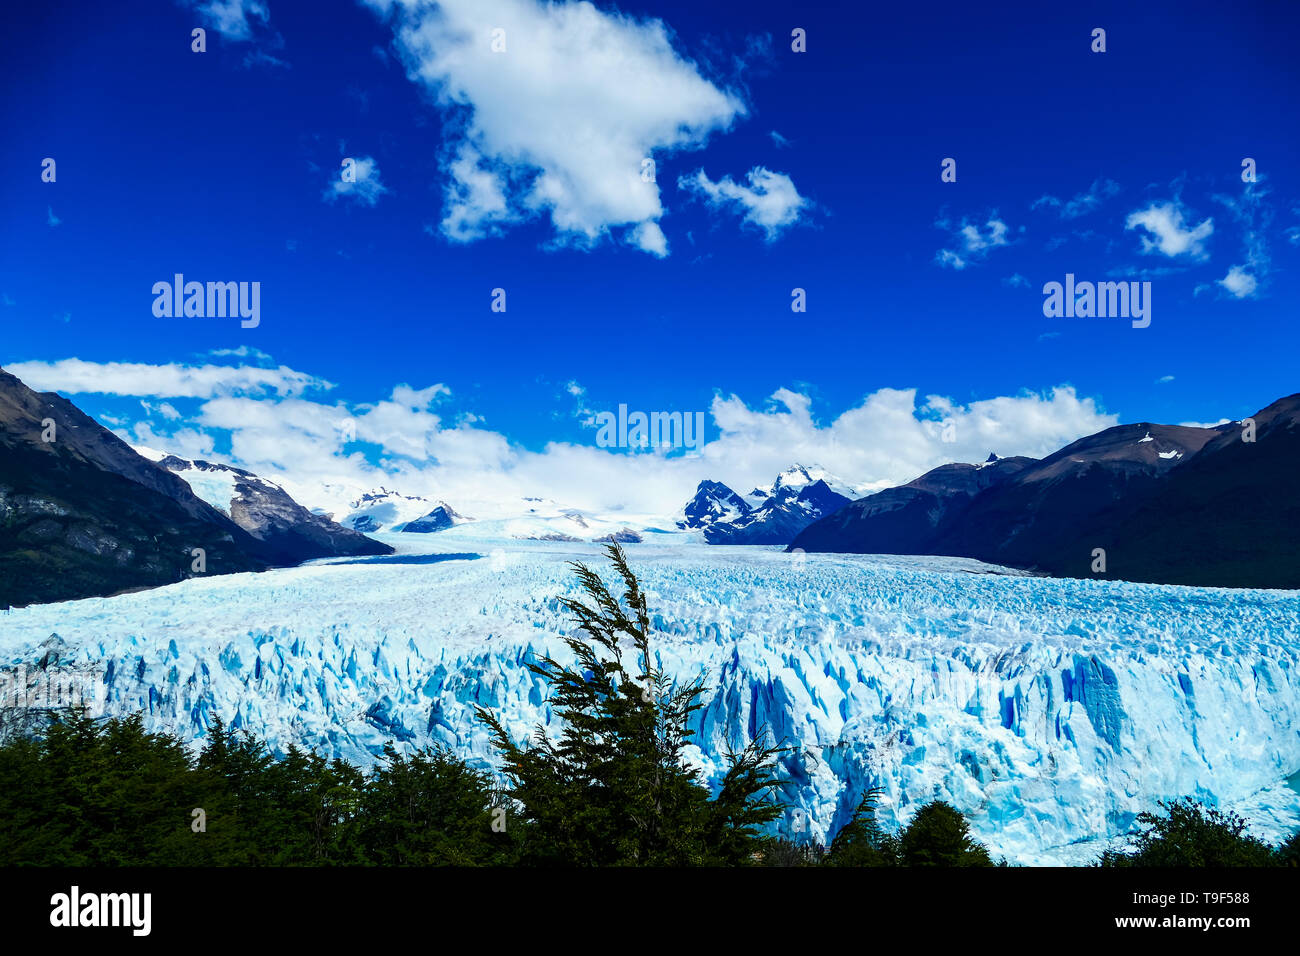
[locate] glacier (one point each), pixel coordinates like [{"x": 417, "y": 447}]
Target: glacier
[{"x": 1050, "y": 711}]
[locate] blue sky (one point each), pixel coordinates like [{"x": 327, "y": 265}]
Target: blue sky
[{"x": 774, "y": 170}]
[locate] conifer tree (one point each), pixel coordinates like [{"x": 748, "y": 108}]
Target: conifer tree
[
  {"x": 614, "y": 788},
  {"x": 940, "y": 836},
  {"x": 861, "y": 841}
]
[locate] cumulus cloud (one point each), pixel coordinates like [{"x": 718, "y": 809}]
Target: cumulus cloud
[
  {"x": 769, "y": 201},
  {"x": 551, "y": 110},
  {"x": 1167, "y": 232},
  {"x": 404, "y": 441},
  {"x": 973, "y": 242},
  {"x": 363, "y": 184}
]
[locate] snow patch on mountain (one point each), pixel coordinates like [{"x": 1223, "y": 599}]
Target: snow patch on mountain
[
  {"x": 384, "y": 510},
  {"x": 216, "y": 483}
]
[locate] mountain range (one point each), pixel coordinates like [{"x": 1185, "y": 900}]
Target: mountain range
[
  {"x": 289, "y": 533},
  {"x": 1165, "y": 504},
  {"x": 772, "y": 515},
  {"x": 83, "y": 514}
]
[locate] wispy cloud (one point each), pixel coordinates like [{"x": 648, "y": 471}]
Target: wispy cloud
[
  {"x": 237, "y": 20},
  {"x": 972, "y": 242},
  {"x": 1252, "y": 214},
  {"x": 172, "y": 380},
  {"x": 242, "y": 22},
  {"x": 243, "y": 352},
  {"x": 362, "y": 184},
  {"x": 1081, "y": 203}
]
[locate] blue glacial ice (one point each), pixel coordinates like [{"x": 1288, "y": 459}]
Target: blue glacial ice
[{"x": 1050, "y": 711}]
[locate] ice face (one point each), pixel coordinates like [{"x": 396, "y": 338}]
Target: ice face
[{"x": 1050, "y": 711}]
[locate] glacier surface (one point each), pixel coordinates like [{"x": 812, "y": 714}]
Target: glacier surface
[{"x": 1050, "y": 711}]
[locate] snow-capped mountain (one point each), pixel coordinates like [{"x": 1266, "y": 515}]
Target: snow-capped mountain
[
  {"x": 714, "y": 503},
  {"x": 771, "y": 515},
  {"x": 384, "y": 510},
  {"x": 289, "y": 532},
  {"x": 442, "y": 517},
  {"x": 789, "y": 482}
]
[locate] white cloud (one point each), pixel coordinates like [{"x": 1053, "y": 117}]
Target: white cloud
[
  {"x": 769, "y": 201},
  {"x": 1016, "y": 281},
  {"x": 1082, "y": 203},
  {"x": 973, "y": 241},
  {"x": 243, "y": 351},
  {"x": 650, "y": 238},
  {"x": 234, "y": 19},
  {"x": 165, "y": 409},
  {"x": 1164, "y": 379},
  {"x": 1165, "y": 222},
  {"x": 559, "y": 123},
  {"x": 185, "y": 442},
  {"x": 163, "y": 381},
  {"x": 888, "y": 438},
  {"x": 1239, "y": 283},
  {"x": 365, "y": 187},
  {"x": 1254, "y": 216},
  {"x": 476, "y": 199}
]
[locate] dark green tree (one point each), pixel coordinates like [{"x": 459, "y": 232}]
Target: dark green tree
[
  {"x": 314, "y": 805},
  {"x": 940, "y": 836},
  {"x": 861, "y": 841},
  {"x": 433, "y": 809},
  {"x": 91, "y": 793},
  {"x": 1288, "y": 854},
  {"x": 614, "y": 788},
  {"x": 1187, "y": 833}
]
